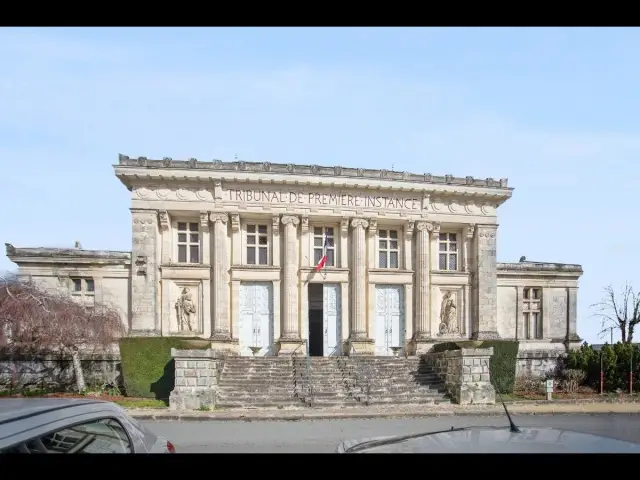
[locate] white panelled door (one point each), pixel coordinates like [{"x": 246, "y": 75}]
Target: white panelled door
[
  {"x": 389, "y": 325},
  {"x": 256, "y": 318},
  {"x": 332, "y": 325}
]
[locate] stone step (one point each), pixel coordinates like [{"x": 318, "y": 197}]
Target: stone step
[{"x": 332, "y": 402}]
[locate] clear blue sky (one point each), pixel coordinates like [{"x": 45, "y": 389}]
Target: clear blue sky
[{"x": 555, "y": 110}]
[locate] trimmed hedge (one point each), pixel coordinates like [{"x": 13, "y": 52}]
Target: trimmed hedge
[
  {"x": 502, "y": 364},
  {"x": 147, "y": 367}
]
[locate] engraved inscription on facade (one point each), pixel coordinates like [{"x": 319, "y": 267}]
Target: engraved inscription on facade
[{"x": 335, "y": 199}]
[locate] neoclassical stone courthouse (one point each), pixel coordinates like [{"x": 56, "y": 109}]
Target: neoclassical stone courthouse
[{"x": 228, "y": 251}]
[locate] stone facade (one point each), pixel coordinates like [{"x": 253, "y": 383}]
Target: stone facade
[{"x": 228, "y": 251}]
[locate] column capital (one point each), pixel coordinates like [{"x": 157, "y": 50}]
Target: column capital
[
  {"x": 344, "y": 225},
  {"x": 420, "y": 226},
  {"x": 431, "y": 227},
  {"x": 373, "y": 226},
  {"x": 219, "y": 217},
  {"x": 204, "y": 221},
  {"x": 408, "y": 231},
  {"x": 290, "y": 220},
  {"x": 359, "y": 223},
  {"x": 235, "y": 222},
  {"x": 163, "y": 216},
  {"x": 470, "y": 230}
]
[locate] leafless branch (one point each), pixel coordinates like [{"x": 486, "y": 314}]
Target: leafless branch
[
  {"x": 621, "y": 311},
  {"x": 34, "y": 320}
]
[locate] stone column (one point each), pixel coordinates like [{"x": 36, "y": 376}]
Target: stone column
[
  {"x": 358, "y": 337},
  {"x": 486, "y": 283},
  {"x": 220, "y": 282},
  {"x": 290, "y": 334},
  {"x": 423, "y": 286},
  {"x": 144, "y": 272}
]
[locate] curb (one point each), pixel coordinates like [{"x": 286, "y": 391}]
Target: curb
[{"x": 292, "y": 417}]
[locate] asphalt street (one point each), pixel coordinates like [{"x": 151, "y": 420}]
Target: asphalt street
[{"x": 323, "y": 436}]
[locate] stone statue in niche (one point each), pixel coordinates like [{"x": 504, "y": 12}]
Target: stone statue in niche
[
  {"x": 448, "y": 315},
  {"x": 186, "y": 310}
]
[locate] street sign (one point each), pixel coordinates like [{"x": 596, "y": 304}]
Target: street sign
[{"x": 549, "y": 386}]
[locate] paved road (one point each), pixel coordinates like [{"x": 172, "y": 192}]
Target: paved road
[{"x": 323, "y": 436}]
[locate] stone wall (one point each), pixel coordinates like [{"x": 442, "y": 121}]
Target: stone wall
[
  {"x": 537, "y": 363},
  {"x": 465, "y": 373},
  {"x": 196, "y": 379},
  {"x": 55, "y": 372}
]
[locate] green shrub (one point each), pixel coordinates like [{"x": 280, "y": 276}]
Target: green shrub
[
  {"x": 147, "y": 367},
  {"x": 503, "y": 364},
  {"x": 617, "y": 361}
]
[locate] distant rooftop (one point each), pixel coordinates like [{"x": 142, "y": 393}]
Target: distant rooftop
[
  {"x": 61, "y": 253},
  {"x": 315, "y": 170}
]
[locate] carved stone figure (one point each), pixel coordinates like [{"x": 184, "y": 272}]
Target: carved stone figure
[
  {"x": 448, "y": 315},
  {"x": 186, "y": 310}
]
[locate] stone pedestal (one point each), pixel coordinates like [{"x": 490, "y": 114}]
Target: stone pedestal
[
  {"x": 468, "y": 380},
  {"x": 196, "y": 379},
  {"x": 223, "y": 342},
  {"x": 422, "y": 344},
  {"x": 360, "y": 347},
  {"x": 292, "y": 346}
]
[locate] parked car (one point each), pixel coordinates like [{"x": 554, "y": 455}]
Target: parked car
[
  {"x": 64, "y": 425},
  {"x": 491, "y": 440}
]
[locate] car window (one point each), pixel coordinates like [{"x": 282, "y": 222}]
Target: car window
[{"x": 99, "y": 436}]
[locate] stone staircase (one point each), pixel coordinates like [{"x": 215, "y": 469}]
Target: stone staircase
[{"x": 333, "y": 382}]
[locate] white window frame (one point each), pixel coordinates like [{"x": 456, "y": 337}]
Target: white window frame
[
  {"x": 312, "y": 247},
  {"x": 449, "y": 252},
  {"x": 176, "y": 243},
  {"x": 532, "y": 305},
  {"x": 265, "y": 222},
  {"x": 400, "y": 239}
]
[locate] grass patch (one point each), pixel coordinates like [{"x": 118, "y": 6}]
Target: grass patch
[{"x": 140, "y": 403}]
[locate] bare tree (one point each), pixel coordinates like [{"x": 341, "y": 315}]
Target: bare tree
[
  {"x": 35, "y": 321},
  {"x": 619, "y": 311}
]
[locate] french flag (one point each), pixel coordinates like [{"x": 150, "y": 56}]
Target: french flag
[{"x": 323, "y": 261}]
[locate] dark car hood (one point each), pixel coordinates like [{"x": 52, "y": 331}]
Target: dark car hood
[{"x": 492, "y": 440}]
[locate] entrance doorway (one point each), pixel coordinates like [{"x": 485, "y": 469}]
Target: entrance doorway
[{"x": 324, "y": 320}]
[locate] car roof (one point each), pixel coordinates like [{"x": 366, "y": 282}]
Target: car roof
[
  {"x": 15, "y": 409},
  {"x": 495, "y": 440}
]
